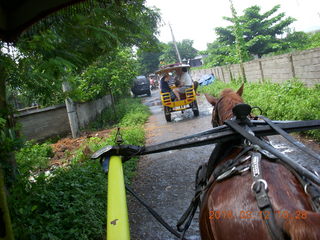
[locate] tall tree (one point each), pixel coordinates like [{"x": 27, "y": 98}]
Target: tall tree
[
  {"x": 242, "y": 53},
  {"x": 260, "y": 31},
  {"x": 186, "y": 50},
  {"x": 148, "y": 58}
]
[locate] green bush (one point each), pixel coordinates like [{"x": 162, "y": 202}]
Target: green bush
[
  {"x": 33, "y": 156},
  {"x": 70, "y": 203},
  {"x": 287, "y": 101}
]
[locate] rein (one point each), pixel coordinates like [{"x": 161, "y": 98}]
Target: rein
[{"x": 216, "y": 119}]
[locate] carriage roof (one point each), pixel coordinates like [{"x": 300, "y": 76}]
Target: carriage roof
[{"x": 171, "y": 67}]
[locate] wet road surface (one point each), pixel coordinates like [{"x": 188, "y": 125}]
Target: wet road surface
[{"x": 166, "y": 180}]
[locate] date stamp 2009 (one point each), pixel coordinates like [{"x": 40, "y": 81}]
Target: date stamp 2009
[{"x": 247, "y": 215}]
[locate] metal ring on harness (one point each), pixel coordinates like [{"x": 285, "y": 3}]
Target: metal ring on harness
[
  {"x": 262, "y": 181},
  {"x": 305, "y": 187}
]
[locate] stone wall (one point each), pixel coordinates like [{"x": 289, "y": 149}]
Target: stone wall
[{"x": 304, "y": 65}]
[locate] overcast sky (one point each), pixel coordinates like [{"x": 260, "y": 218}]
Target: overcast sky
[{"x": 196, "y": 19}]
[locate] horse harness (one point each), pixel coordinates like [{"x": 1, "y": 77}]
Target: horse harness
[
  {"x": 215, "y": 116},
  {"x": 252, "y": 149}
]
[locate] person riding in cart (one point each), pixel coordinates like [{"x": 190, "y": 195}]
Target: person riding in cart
[
  {"x": 183, "y": 82},
  {"x": 164, "y": 86}
]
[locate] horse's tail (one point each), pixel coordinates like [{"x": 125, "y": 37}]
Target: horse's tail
[{"x": 307, "y": 226}]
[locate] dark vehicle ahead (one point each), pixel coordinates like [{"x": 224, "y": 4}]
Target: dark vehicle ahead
[{"x": 141, "y": 85}]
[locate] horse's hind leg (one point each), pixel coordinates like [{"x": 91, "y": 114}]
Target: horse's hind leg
[{"x": 303, "y": 229}]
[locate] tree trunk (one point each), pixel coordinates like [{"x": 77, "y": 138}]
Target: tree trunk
[
  {"x": 7, "y": 162},
  {"x": 7, "y": 159},
  {"x": 6, "y": 232}
]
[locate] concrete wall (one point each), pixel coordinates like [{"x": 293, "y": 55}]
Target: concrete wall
[
  {"x": 304, "y": 65},
  {"x": 40, "y": 124},
  {"x": 88, "y": 111},
  {"x": 43, "y": 123}
]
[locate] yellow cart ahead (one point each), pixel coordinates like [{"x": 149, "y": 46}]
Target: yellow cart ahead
[{"x": 188, "y": 100}]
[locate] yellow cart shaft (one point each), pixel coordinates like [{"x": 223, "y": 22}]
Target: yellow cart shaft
[{"x": 117, "y": 211}]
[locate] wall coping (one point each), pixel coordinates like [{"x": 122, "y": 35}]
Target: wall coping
[{"x": 34, "y": 111}]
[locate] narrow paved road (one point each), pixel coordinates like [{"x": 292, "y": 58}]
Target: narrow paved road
[{"x": 166, "y": 180}]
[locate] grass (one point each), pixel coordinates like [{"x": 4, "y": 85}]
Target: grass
[
  {"x": 70, "y": 202},
  {"x": 287, "y": 101}
]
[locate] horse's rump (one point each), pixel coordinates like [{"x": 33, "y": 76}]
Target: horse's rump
[{"x": 229, "y": 207}]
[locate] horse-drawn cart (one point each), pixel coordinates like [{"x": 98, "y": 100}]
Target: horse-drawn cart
[{"x": 188, "y": 99}]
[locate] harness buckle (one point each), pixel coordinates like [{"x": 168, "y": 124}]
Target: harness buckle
[{"x": 256, "y": 189}]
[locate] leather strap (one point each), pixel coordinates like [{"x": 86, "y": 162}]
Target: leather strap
[{"x": 260, "y": 188}]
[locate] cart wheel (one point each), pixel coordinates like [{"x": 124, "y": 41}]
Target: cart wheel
[
  {"x": 195, "y": 108},
  {"x": 167, "y": 114}
]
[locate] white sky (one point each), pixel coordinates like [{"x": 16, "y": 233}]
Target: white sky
[{"x": 196, "y": 19}]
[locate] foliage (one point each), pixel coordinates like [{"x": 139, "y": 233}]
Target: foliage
[
  {"x": 258, "y": 33},
  {"x": 295, "y": 40},
  {"x": 238, "y": 33},
  {"x": 33, "y": 156},
  {"x": 314, "y": 40},
  {"x": 8, "y": 139},
  {"x": 185, "y": 48},
  {"x": 298, "y": 41},
  {"x": 126, "y": 112},
  {"x": 64, "y": 51},
  {"x": 108, "y": 74},
  {"x": 288, "y": 101},
  {"x": 220, "y": 54},
  {"x": 148, "y": 59},
  {"x": 70, "y": 203},
  {"x": 9, "y": 142}
]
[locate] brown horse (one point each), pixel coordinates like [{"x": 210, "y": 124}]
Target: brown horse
[{"x": 229, "y": 208}]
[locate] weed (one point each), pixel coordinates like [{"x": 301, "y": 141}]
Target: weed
[{"x": 290, "y": 100}]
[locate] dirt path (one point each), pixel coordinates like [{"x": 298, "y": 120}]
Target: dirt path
[{"x": 166, "y": 180}]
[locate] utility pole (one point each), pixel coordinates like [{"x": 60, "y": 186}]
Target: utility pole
[{"x": 175, "y": 45}]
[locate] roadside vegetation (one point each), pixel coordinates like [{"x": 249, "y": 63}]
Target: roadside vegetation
[
  {"x": 69, "y": 202},
  {"x": 287, "y": 101}
]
